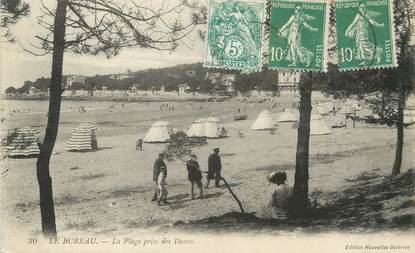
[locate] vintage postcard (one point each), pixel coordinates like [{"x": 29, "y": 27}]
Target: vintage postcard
[
  {"x": 365, "y": 34},
  {"x": 151, "y": 126},
  {"x": 298, "y": 35}
]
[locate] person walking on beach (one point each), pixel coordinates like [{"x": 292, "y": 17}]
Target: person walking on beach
[
  {"x": 214, "y": 168},
  {"x": 194, "y": 174},
  {"x": 158, "y": 166}
]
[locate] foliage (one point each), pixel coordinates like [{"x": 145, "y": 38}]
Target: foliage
[
  {"x": 264, "y": 80},
  {"x": 10, "y": 12},
  {"x": 178, "y": 147},
  {"x": 11, "y": 89}
]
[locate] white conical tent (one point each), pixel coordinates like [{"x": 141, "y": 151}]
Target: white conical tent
[
  {"x": 315, "y": 116},
  {"x": 408, "y": 117},
  {"x": 318, "y": 127},
  {"x": 24, "y": 144},
  {"x": 322, "y": 109},
  {"x": 197, "y": 128},
  {"x": 264, "y": 121},
  {"x": 158, "y": 133},
  {"x": 329, "y": 106},
  {"x": 81, "y": 138},
  {"x": 211, "y": 127},
  {"x": 287, "y": 116}
]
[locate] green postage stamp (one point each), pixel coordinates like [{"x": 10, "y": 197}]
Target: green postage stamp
[
  {"x": 298, "y": 35},
  {"x": 234, "y": 35},
  {"x": 365, "y": 34}
]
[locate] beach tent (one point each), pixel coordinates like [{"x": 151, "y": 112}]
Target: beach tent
[
  {"x": 158, "y": 133},
  {"x": 322, "y": 109},
  {"x": 315, "y": 116},
  {"x": 329, "y": 106},
  {"x": 410, "y": 102},
  {"x": 408, "y": 117},
  {"x": 24, "y": 144},
  {"x": 211, "y": 127},
  {"x": 264, "y": 121},
  {"x": 287, "y": 116},
  {"x": 81, "y": 138},
  {"x": 197, "y": 128},
  {"x": 318, "y": 127}
]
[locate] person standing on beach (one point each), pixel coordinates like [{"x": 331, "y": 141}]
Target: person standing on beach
[
  {"x": 161, "y": 184},
  {"x": 214, "y": 168},
  {"x": 194, "y": 174},
  {"x": 158, "y": 166}
]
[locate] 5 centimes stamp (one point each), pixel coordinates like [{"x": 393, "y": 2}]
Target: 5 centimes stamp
[
  {"x": 234, "y": 35},
  {"x": 298, "y": 35},
  {"x": 365, "y": 34}
]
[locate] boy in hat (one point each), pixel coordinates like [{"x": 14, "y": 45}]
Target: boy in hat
[
  {"x": 161, "y": 184},
  {"x": 214, "y": 168},
  {"x": 194, "y": 175},
  {"x": 158, "y": 166}
]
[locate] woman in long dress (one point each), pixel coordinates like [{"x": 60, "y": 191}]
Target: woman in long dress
[{"x": 359, "y": 30}]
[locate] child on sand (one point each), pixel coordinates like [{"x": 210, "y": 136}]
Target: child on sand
[{"x": 162, "y": 190}]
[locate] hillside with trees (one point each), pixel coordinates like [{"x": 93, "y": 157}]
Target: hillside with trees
[{"x": 170, "y": 78}]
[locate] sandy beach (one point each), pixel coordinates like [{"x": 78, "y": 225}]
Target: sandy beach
[{"x": 108, "y": 191}]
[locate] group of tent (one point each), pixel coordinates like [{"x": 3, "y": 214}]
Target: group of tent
[
  {"x": 25, "y": 142},
  {"x": 203, "y": 127},
  {"x": 265, "y": 121}
]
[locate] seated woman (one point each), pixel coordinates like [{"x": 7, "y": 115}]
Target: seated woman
[{"x": 281, "y": 195}]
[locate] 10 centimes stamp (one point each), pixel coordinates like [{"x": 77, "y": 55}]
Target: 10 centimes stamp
[
  {"x": 365, "y": 34},
  {"x": 234, "y": 35},
  {"x": 298, "y": 35}
]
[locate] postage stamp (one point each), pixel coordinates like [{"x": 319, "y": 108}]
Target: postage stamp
[
  {"x": 365, "y": 34},
  {"x": 298, "y": 35},
  {"x": 234, "y": 35}
]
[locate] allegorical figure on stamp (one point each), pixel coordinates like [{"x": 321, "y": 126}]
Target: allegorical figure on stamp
[
  {"x": 366, "y": 51},
  {"x": 292, "y": 32},
  {"x": 234, "y": 38}
]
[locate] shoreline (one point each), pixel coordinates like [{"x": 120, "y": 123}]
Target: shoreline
[{"x": 126, "y": 99}]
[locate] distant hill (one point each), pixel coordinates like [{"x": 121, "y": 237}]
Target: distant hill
[{"x": 195, "y": 75}]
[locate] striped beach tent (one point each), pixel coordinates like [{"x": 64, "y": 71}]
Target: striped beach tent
[
  {"x": 24, "y": 144},
  {"x": 81, "y": 138}
]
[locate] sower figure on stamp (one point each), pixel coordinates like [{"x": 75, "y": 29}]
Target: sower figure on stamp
[
  {"x": 158, "y": 166},
  {"x": 214, "y": 168},
  {"x": 194, "y": 176},
  {"x": 359, "y": 30}
]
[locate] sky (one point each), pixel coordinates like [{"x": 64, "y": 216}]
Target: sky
[{"x": 17, "y": 66}]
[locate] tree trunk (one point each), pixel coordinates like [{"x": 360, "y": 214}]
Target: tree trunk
[
  {"x": 399, "y": 126},
  {"x": 47, "y": 209},
  {"x": 299, "y": 201}
]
